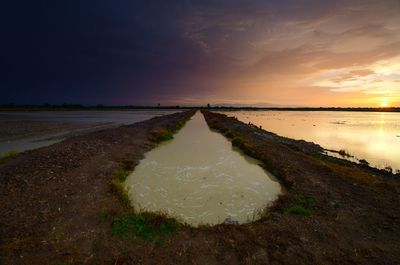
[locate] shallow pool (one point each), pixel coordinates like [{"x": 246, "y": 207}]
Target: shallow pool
[{"x": 200, "y": 178}]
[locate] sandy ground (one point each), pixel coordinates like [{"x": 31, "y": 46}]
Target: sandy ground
[{"x": 51, "y": 199}]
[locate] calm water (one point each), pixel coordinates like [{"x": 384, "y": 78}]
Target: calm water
[
  {"x": 88, "y": 120},
  {"x": 199, "y": 178},
  {"x": 372, "y": 136},
  {"x": 117, "y": 117}
]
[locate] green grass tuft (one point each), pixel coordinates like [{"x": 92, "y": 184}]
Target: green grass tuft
[
  {"x": 179, "y": 125},
  {"x": 119, "y": 188},
  {"x": 7, "y": 156},
  {"x": 121, "y": 175},
  {"x": 302, "y": 206},
  {"x": 117, "y": 184},
  {"x": 145, "y": 225},
  {"x": 161, "y": 134},
  {"x": 166, "y": 136}
]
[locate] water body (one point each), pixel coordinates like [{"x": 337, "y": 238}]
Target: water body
[
  {"x": 87, "y": 116},
  {"x": 373, "y": 136},
  {"x": 76, "y": 122},
  {"x": 200, "y": 178}
]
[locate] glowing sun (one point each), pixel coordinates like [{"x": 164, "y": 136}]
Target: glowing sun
[{"x": 384, "y": 102}]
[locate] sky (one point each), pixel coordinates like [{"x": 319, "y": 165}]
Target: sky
[{"x": 343, "y": 53}]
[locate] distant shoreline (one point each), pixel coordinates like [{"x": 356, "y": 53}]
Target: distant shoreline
[{"x": 74, "y": 107}]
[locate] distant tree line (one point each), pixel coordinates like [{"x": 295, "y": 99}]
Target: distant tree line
[
  {"x": 50, "y": 107},
  {"x": 360, "y": 109}
]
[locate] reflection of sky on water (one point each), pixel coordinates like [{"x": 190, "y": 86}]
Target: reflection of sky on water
[
  {"x": 96, "y": 119},
  {"x": 367, "y": 135},
  {"x": 88, "y": 116}
]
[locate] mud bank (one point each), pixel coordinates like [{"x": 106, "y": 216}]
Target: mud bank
[
  {"x": 52, "y": 200},
  {"x": 353, "y": 217}
]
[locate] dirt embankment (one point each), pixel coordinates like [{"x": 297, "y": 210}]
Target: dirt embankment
[
  {"x": 51, "y": 198},
  {"x": 354, "y": 215},
  {"x": 332, "y": 213}
]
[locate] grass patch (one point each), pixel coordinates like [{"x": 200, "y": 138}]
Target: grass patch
[
  {"x": 117, "y": 185},
  {"x": 145, "y": 225},
  {"x": 7, "y": 156},
  {"x": 301, "y": 206},
  {"x": 119, "y": 189},
  {"x": 121, "y": 175},
  {"x": 179, "y": 125},
  {"x": 160, "y": 135},
  {"x": 164, "y": 134}
]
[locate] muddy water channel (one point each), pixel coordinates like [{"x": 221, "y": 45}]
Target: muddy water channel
[{"x": 200, "y": 178}]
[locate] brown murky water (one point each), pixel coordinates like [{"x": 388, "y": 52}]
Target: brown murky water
[{"x": 200, "y": 178}]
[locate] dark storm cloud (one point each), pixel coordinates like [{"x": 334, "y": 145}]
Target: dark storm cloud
[
  {"x": 132, "y": 52},
  {"x": 77, "y": 49}
]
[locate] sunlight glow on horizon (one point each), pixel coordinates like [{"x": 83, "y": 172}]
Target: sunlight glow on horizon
[
  {"x": 304, "y": 53},
  {"x": 384, "y": 102}
]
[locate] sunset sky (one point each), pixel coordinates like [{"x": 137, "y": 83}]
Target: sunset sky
[{"x": 263, "y": 53}]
